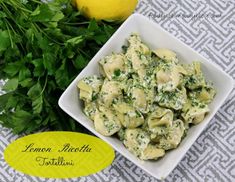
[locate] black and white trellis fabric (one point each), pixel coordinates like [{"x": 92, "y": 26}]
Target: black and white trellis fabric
[{"x": 209, "y": 28}]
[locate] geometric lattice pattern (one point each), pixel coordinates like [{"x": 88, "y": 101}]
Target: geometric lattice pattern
[{"x": 209, "y": 28}]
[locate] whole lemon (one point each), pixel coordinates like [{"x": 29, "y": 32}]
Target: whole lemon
[{"x": 110, "y": 10}]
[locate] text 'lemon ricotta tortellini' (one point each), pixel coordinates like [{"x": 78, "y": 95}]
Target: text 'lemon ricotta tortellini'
[{"x": 147, "y": 98}]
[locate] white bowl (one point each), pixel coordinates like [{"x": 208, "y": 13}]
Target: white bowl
[{"x": 155, "y": 37}]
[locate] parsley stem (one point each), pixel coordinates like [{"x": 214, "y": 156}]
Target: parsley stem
[
  {"x": 9, "y": 33},
  {"x": 83, "y": 52},
  {"x": 13, "y": 30},
  {"x": 30, "y": 37},
  {"x": 16, "y": 5},
  {"x": 40, "y": 30},
  {"x": 44, "y": 86},
  {"x": 16, "y": 34},
  {"x": 81, "y": 23},
  {"x": 6, "y": 10},
  {"x": 9, "y": 15},
  {"x": 39, "y": 2}
]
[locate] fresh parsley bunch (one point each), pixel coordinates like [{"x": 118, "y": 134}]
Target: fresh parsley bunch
[{"x": 43, "y": 46}]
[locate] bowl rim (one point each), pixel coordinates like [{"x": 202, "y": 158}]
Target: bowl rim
[{"x": 133, "y": 17}]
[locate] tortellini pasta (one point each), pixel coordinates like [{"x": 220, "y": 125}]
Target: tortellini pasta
[
  {"x": 166, "y": 54},
  {"x": 90, "y": 109},
  {"x": 174, "y": 136},
  {"x": 106, "y": 122},
  {"x": 168, "y": 79},
  {"x": 136, "y": 140},
  {"x": 152, "y": 152},
  {"x": 141, "y": 96},
  {"x": 194, "y": 111},
  {"x": 137, "y": 55},
  {"x": 110, "y": 90},
  {"x": 146, "y": 98},
  {"x": 128, "y": 115},
  {"x": 195, "y": 78},
  {"x": 89, "y": 87},
  {"x": 159, "y": 117},
  {"x": 112, "y": 66},
  {"x": 174, "y": 100}
]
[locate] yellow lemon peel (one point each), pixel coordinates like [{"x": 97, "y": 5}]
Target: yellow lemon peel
[{"x": 110, "y": 10}]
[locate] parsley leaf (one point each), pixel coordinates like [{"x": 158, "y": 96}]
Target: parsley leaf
[
  {"x": 43, "y": 48},
  {"x": 11, "y": 85}
]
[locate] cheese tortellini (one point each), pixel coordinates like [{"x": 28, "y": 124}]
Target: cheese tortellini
[{"x": 146, "y": 98}]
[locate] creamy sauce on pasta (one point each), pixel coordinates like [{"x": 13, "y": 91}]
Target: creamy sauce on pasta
[{"x": 147, "y": 97}]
